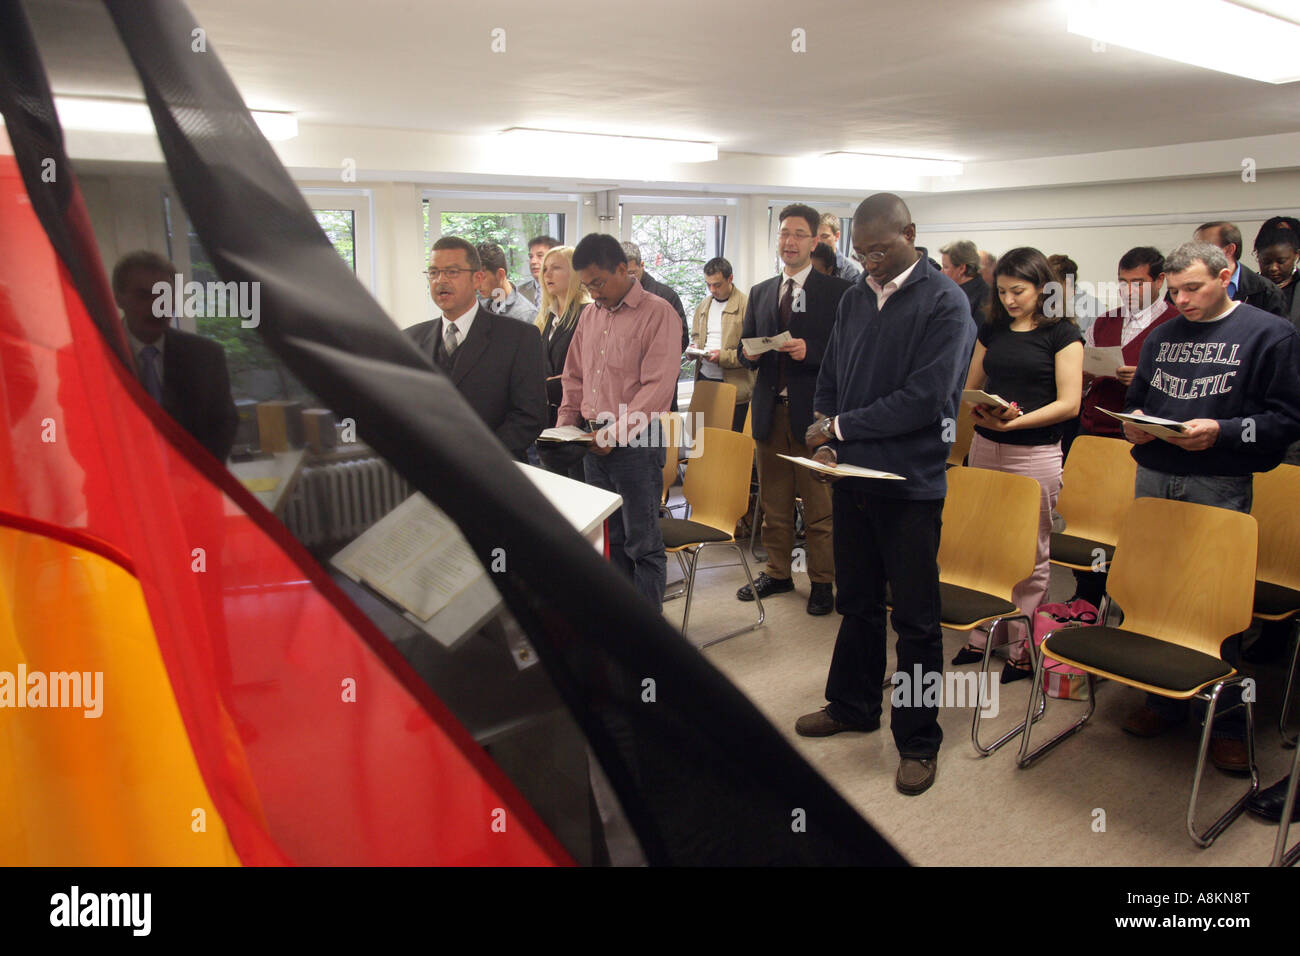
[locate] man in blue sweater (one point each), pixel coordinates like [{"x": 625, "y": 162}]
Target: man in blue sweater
[
  {"x": 887, "y": 398},
  {"x": 1230, "y": 372}
]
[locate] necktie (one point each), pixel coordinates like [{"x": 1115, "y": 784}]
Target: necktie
[
  {"x": 785, "y": 310},
  {"x": 450, "y": 339},
  {"x": 149, "y": 373}
]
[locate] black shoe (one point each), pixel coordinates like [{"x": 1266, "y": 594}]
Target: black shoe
[
  {"x": 1268, "y": 803},
  {"x": 822, "y": 598},
  {"x": 968, "y": 655},
  {"x": 765, "y": 586},
  {"x": 1012, "y": 672}
]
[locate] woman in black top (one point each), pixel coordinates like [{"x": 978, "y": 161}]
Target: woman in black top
[
  {"x": 1030, "y": 354},
  {"x": 563, "y": 299}
]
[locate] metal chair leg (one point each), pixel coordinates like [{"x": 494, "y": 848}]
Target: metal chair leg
[
  {"x": 1281, "y": 855},
  {"x": 681, "y": 590},
  {"x": 762, "y": 615},
  {"x": 1204, "y": 839},
  {"x": 1027, "y": 756},
  {"x": 983, "y": 685},
  {"x": 1289, "y": 740},
  {"x": 758, "y": 520}
]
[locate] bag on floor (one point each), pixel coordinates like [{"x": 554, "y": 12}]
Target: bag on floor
[{"x": 1060, "y": 680}]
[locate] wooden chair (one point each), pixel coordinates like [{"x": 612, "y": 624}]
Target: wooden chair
[
  {"x": 713, "y": 405},
  {"x": 671, "y": 428},
  {"x": 717, "y": 489},
  {"x": 988, "y": 545},
  {"x": 1096, "y": 491},
  {"x": 1277, "y": 577},
  {"x": 965, "y": 433},
  {"x": 1185, "y": 576}
]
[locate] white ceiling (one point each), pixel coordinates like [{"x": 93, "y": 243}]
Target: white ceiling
[{"x": 978, "y": 81}]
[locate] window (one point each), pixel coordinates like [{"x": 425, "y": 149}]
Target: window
[{"x": 510, "y": 230}]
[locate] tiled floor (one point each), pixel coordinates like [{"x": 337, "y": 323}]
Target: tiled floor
[{"x": 1101, "y": 798}]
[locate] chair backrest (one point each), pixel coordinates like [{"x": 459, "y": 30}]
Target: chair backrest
[
  {"x": 965, "y": 432},
  {"x": 671, "y": 429},
  {"x": 1097, "y": 487},
  {"x": 1277, "y": 510},
  {"x": 1185, "y": 573},
  {"x": 713, "y": 405},
  {"x": 989, "y": 540},
  {"x": 717, "y": 482}
]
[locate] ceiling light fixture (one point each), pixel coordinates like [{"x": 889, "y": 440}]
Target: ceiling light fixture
[
  {"x": 133, "y": 116},
  {"x": 1211, "y": 34},
  {"x": 868, "y": 165},
  {"x": 603, "y": 146}
]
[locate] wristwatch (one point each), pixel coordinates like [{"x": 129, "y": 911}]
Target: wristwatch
[{"x": 828, "y": 427}]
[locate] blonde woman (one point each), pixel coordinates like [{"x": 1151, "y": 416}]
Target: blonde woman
[{"x": 563, "y": 299}]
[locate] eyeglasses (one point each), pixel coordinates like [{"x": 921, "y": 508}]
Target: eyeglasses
[
  {"x": 453, "y": 273},
  {"x": 869, "y": 257}
]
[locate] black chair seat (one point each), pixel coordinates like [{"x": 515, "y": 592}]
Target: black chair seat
[
  {"x": 1274, "y": 599},
  {"x": 1136, "y": 656},
  {"x": 1067, "y": 549},
  {"x": 963, "y": 607},
  {"x": 679, "y": 532}
]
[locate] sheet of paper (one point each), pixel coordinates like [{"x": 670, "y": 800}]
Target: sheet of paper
[
  {"x": 977, "y": 396},
  {"x": 1160, "y": 427},
  {"x": 697, "y": 353},
  {"x": 767, "y": 343},
  {"x": 565, "y": 433},
  {"x": 843, "y": 470},
  {"x": 261, "y": 484},
  {"x": 1102, "y": 361}
]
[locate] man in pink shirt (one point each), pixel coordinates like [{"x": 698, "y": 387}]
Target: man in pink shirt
[{"x": 619, "y": 377}]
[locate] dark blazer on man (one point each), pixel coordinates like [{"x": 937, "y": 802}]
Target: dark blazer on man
[
  {"x": 498, "y": 369},
  {"x": 196, "y": 390},
  {"x": 666, "y": 292},
  {"x": 813, "y": 324},
  {"x": 1254, "y": 289}
]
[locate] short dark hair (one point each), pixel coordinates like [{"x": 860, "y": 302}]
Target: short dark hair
[
  {"x": 1032, "y": 266},
  {"x": 1227, "y": 233},
  {"x": 824, "y": 254},
  {"x": 465, "y": 246},
  {"x": 550, "y": 242},
  {"x": 1148, "y": 256},
  {"x": 492, "y": 256},
  {"x": 1277, "y": 236},
  {"x": 807, "y": 213},
  {"x": 718, "y": 264},
  {"x": 141, "y": 259},
  {"x": 598, "y": 249},
  {"x": 1273, "y": 225}
]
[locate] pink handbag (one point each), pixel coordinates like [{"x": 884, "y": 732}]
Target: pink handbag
[{"x": 1060, "y": 680}]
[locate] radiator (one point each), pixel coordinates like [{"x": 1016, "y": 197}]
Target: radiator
[{"x": 333, "y": 503}]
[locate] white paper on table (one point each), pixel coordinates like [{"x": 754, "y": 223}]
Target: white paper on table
[
  {"x": 563, "y": 433},
  {"x": 1160, "y": 427},
  {"x": 843, "y": 470},
  {"x": 977, "y": 396},
  {"x": 765, "y": 343},
  {"x": 1102, "y": 360}
]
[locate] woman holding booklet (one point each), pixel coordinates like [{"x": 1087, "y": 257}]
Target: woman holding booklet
[
  {"x": 563, "y": 299},
  {"x": 1032, "y": 366}
]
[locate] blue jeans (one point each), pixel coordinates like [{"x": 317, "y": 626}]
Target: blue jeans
[
  {"x": 1234, "y": 492},
  {"x": 636, "y": 545}
]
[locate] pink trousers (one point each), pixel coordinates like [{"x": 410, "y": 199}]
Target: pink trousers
[{"x": 1043, "y": 464}]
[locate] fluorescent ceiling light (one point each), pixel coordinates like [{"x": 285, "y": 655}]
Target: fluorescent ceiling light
[
  {"x": 869, "y": 165},
  {"x": 132, "y": 116},
  {"x": 1211, "y": 34},
  {"x": 599, "y": 146}
]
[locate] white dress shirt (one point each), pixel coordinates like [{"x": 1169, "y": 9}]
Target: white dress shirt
[
  {"x": 889, "y": 288},
  {"x": 462, "y": 323}
]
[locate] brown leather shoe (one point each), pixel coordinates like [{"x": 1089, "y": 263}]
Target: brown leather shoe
[
  {"x": 1229, "y": 755},
  {"x": 822, "y": 724},
  {"x": 915, "y": 776},
  {"x": 1145, "y": 722}
]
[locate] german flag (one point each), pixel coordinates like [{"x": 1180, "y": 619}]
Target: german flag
[{"x": 232, "y": 705}]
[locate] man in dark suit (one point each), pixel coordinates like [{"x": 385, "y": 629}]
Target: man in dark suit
[
  {"x": 495, "y": 362},
  {"x": 185, "y": 373},
  {"x": 801, "y": 301},
  {"x": 1245, "y": 285}
]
